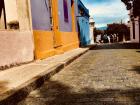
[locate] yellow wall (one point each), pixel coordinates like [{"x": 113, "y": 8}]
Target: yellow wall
[
  {"x": 44, "y": 44},
  {"x": 69, "y": 40}
]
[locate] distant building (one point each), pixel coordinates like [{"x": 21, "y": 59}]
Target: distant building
[
  {"x": 83, "y": 23},
  {"x": 92, "y": 23},
  {"x": 134, "y": 25}
]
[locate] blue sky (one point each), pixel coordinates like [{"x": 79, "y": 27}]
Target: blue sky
[{"x": 106, "y": 11}]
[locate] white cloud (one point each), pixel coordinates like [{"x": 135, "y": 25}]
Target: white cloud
[{"x": 115, "y": 10}]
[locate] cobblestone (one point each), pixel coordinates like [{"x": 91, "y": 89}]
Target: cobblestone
[{"x": 103, "y": 76}]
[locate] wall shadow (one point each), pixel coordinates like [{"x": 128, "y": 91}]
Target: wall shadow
[
  {"x": 56, "y": 93},
  {"x": 136, "y": 69},
  {"x": 138, "y": 51},
  {"x": 117, "y": 46}
]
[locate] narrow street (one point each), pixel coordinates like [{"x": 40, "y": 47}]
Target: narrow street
[{"x": 106, "y": 75}]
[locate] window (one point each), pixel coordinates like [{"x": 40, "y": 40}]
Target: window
[
  {"x": 8, "y": 15},
  {"x": 65, "y": 6}
]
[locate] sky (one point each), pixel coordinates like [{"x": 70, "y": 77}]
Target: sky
[{"x": 106, "y": 11}]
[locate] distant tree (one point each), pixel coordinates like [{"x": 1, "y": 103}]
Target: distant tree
[
  {"x": 133, "y": 4},
  {"x": 118, "y": 29},
  {"x": 97, "y": 31}
]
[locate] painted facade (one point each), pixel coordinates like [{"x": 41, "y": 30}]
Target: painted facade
[
  {"x": 16, "y": 40},
  {"x": 83, "y": 23},
  {"x": 54, "y": 27},
  {"x": 134, "y": 25},
  {"x": 37, "y": 29}
]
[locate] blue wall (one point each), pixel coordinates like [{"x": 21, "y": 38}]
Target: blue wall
[
  {"x": 84, "y": 31},
  {"x": 83, "y": 24}
]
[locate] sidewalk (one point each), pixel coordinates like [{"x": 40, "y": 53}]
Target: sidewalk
[{"x": 16, "y": 83}]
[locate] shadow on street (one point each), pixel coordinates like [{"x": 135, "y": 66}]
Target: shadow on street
[
  {"x": 117, "y": 46},
  {"x": 56, "y": 93},
  {"x": 136, "y": 69}
]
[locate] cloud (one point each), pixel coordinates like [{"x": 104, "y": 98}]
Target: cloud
[{"x": 106, "y": 11}]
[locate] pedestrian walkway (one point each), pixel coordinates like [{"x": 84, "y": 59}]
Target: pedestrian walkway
[
  {"x": 103, "y": 76},
  {"x": 16, "y": 83}
]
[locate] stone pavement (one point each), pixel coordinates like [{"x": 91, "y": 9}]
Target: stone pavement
[
  {"x": 103, "y": 76},
  {"x": 16, "y": 83}
]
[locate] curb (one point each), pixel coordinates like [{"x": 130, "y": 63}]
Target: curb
[{"x": 13, "y": 97}]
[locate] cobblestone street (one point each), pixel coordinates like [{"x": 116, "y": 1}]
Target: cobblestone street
[{"x": 106, "y": 75}]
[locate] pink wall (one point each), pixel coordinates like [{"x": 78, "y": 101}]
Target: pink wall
[
  {"x": 16, "y": 47},
  {"x": 136, "y": 21}
]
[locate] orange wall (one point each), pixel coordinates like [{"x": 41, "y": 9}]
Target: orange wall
[
  {"x": 49, "y": 43},
  {"x": 44, "y": 44},
  {"x": 69, "y": 40}
]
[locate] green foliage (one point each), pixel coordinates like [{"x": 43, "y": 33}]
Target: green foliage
[
  {"x": 119, "y": 29},
  {"x": 98, "y": 32}
]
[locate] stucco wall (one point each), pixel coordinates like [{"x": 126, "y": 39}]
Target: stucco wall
[
  {"x": 136, "y": 31},
  {"x": 16, "y": 47},
  {"x": 40, "y": 15},
  {"x": 64, "y": 26},
  {"x": 84, "y": 31},
  {"x": 23, "y": 10},
  {"x": 11, "y": 10}
]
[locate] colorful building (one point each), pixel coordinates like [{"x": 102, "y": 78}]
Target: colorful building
[
  {"x": 36, "y": 29},
  {"x": 54, "y": 27},
  {"x": 83, "y": 23}
]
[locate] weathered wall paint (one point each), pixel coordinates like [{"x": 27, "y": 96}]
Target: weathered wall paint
[
  {"x": 44, "y": 46},
  {"x": 16, "y": 47},
  {"x": 137, "y": 32},
  {"x": 84, "y": 31},
  {"x": 23, "y": 10},
  {"x": 62, "y": 38},
  {"x": 83, "y": 23},
  {"x": 64, "y": 26},
  {"x": 11, "y": 10},
  {"x": 40, "y": 15},
  {"x": 69, "y": 40}
]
